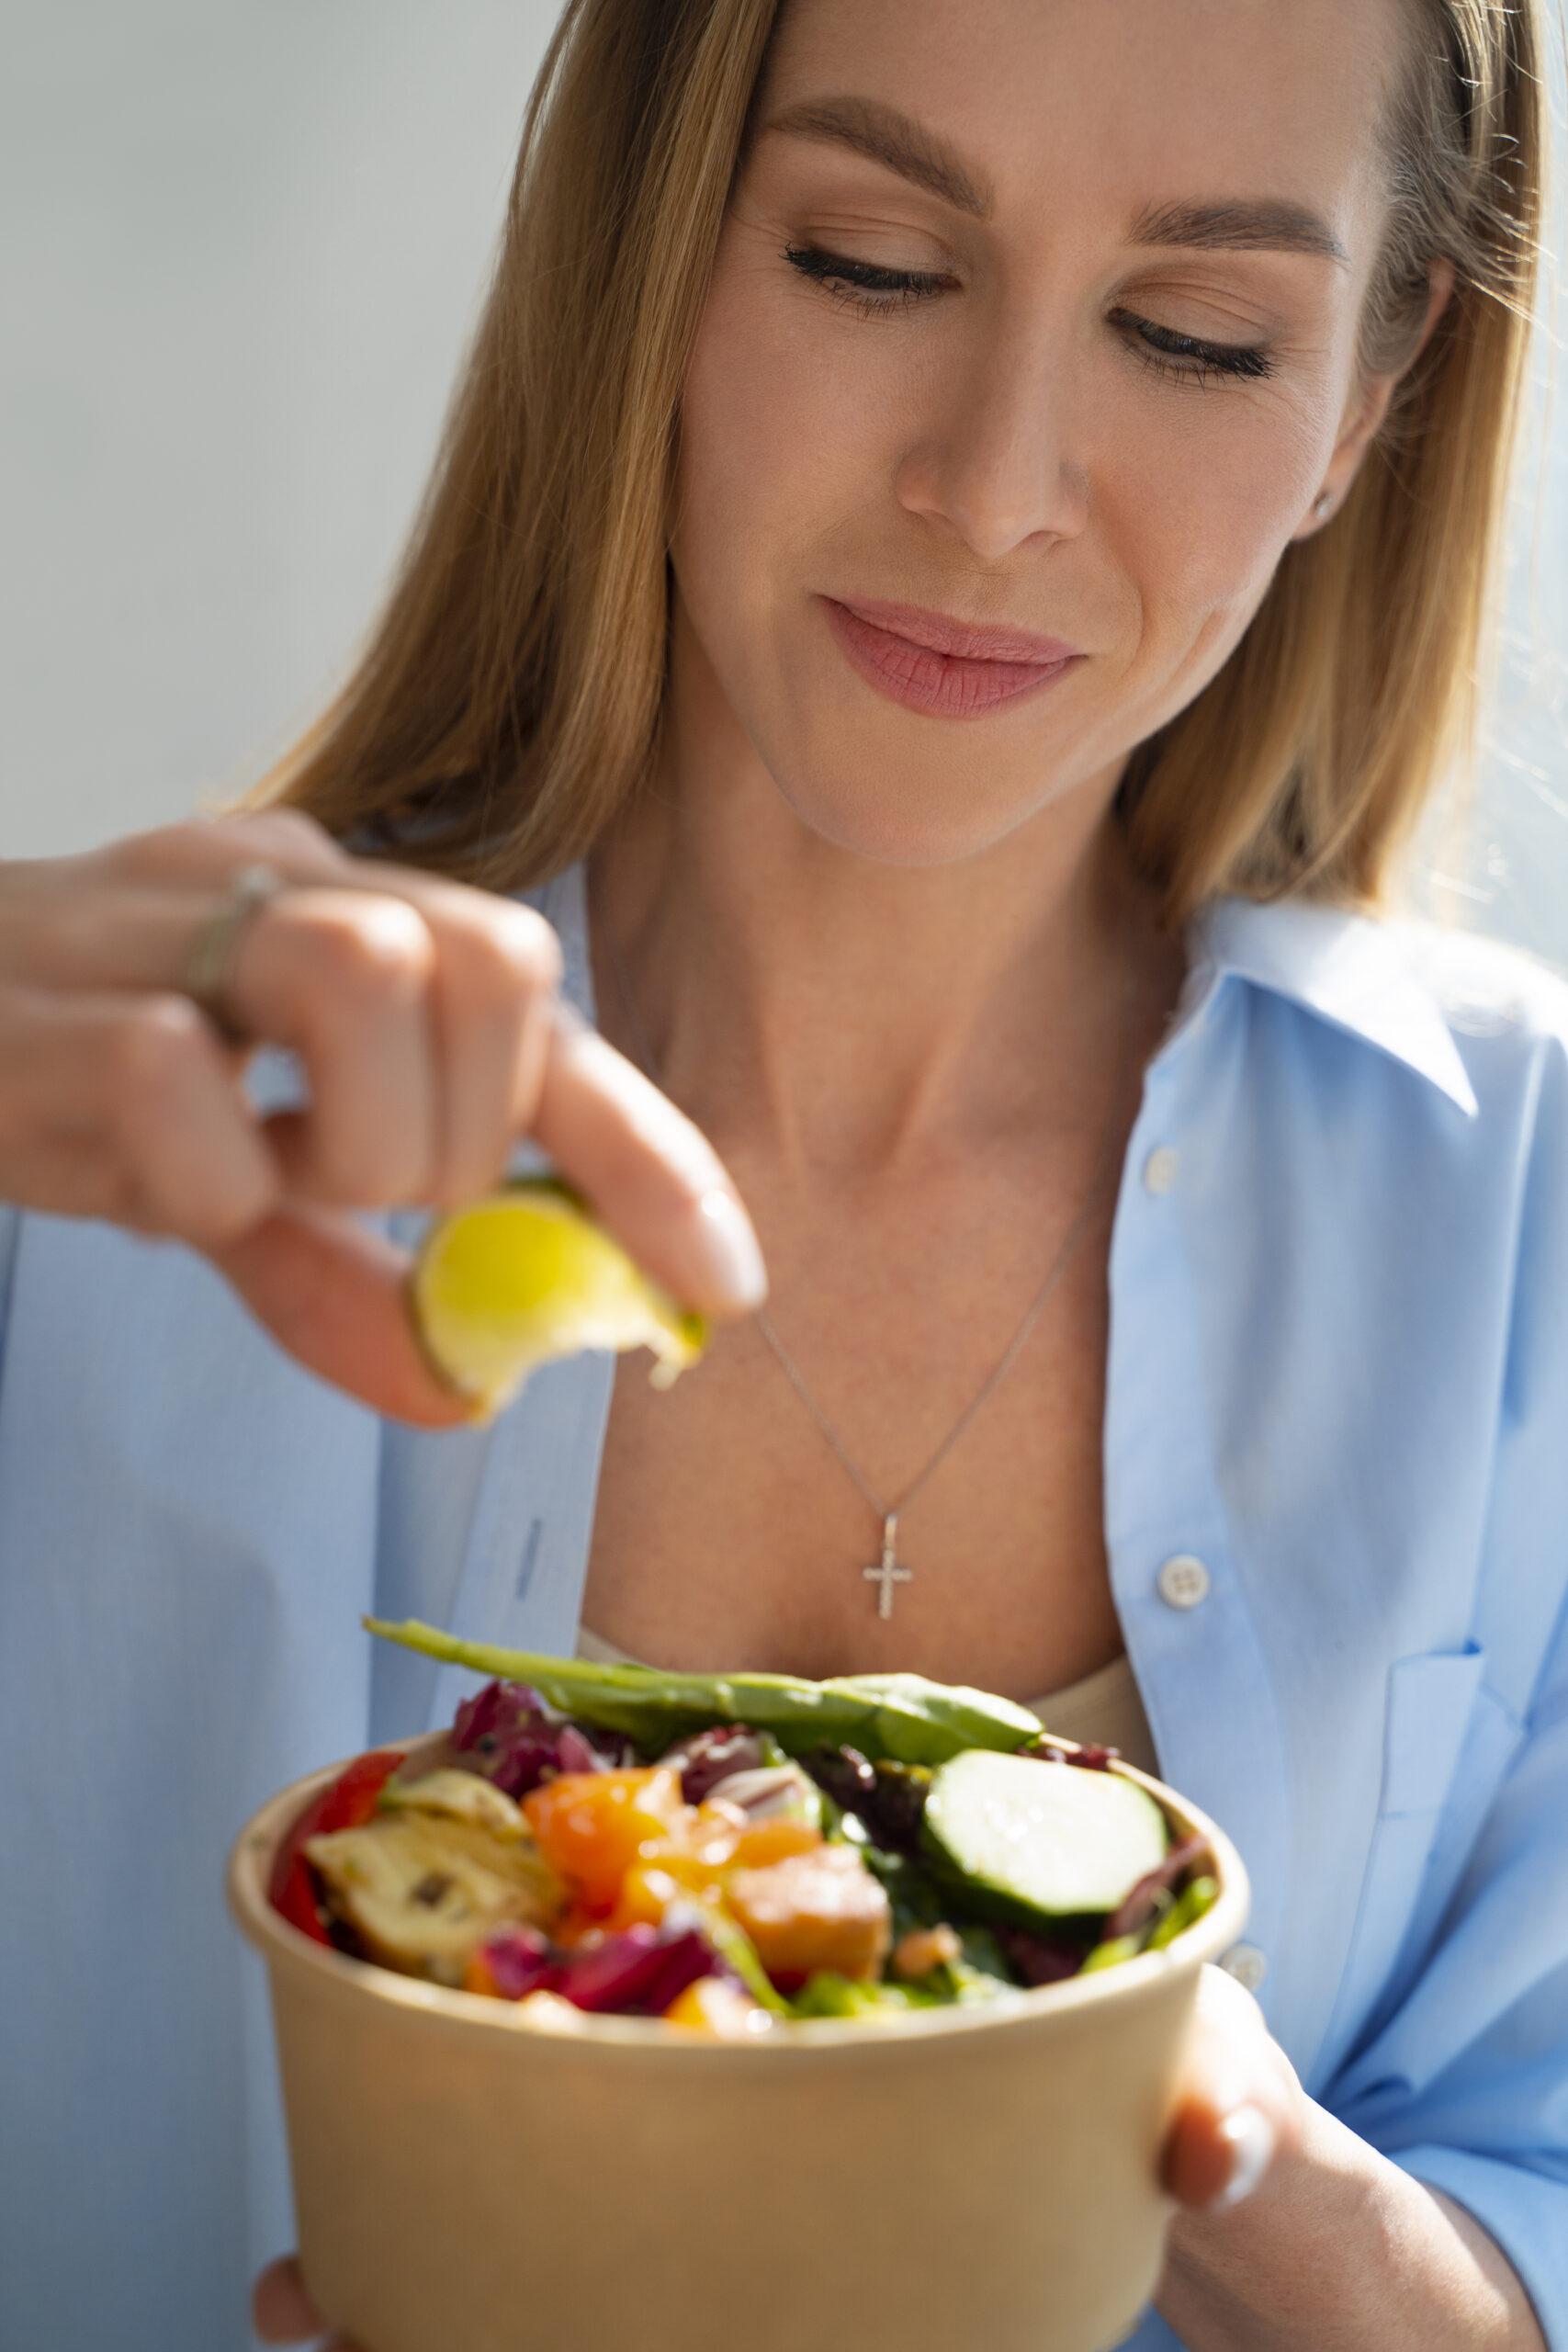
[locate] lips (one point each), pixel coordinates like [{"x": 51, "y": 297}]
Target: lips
[
  {"x": 930, "y": 680},
  {"x": 961, "y": 639}
]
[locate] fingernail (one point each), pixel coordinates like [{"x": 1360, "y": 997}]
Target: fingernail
[
  {"x": 725, "y": 1249},
  {"x": 1252, "y": 2139}
]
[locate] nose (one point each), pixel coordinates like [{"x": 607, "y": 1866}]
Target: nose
[{"x": 1000, "y": 458}]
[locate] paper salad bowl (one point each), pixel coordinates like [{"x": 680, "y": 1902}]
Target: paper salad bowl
[{"x": 964, "y": 2180}]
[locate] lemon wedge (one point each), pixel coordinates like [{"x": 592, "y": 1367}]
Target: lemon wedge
[{"x": 525, "y": 1276}]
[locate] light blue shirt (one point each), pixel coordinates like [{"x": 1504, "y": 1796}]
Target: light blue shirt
[{"x": 1337, "y": 1401}]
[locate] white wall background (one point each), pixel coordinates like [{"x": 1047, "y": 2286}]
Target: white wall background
[{"x": 241, "y": 245}]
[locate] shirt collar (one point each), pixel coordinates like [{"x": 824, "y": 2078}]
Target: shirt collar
[{"x": 1351, "y": 970}]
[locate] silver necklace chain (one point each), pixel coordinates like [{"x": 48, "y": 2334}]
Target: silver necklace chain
[{"x": 889, "y": 1573}]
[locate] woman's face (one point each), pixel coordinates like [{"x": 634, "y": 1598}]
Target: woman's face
[{"x": 1097, "y": 415}]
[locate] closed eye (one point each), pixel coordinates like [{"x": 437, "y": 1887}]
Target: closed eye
[{"x": 875, "y": 292}]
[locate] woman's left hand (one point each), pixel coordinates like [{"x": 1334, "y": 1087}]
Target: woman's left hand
[{"x": 1214, "y": 2150}]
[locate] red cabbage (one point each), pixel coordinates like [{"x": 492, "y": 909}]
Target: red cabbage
[
  {"x": 519, "y": 1960},
  {"x": 1092, "y": 1758},
  {"x": 705, "y": 1758},
  {"x": 517, "y": 1742},
  {"x": 497, "y": 1709},
  {"x": 1040, "y": 1960},
  {"x": 638, "y": 1971},
  {"x": 577, "y": 1751},
  {"x": 845, "y": 1774},
  {"x": 1137, "y": 1907},
  {"x": 888, "y": 1799}
]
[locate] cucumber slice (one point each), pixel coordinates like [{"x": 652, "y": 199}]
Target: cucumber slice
[{"x": 1039, "y": 1843}]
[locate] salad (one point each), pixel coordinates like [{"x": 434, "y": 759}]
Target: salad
[{"x": 734, "y": 1852}]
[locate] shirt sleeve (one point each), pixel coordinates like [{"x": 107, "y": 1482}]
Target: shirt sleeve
[
  {"x": 1464, "y": 2081},
  {"x": 10, "y": 1226},
  {"x": 1466, "y": 2087}
]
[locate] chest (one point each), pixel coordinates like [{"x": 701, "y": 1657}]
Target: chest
[{"x": 728, "y": 1530}]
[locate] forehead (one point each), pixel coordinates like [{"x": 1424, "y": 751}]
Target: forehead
[{"x": 1082, "y": 110}]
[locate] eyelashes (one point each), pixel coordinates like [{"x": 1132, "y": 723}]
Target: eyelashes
[{"x": 875, "y": 292}]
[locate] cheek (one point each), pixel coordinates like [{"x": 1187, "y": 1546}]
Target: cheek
[
  {"x": 1199, "y": 509},
  {"x": 767, "y": 447},
  {"x": 720, "y": 439}
]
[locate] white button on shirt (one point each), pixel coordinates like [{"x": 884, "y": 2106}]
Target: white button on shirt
[
  {"x": 1246, "y": 1964},
  {"x": 1161, "y": 1169},
  {"x": 1184, "y": 1582}
]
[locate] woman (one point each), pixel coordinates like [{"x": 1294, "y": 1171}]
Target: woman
[{"x": 1092, "y": 424}]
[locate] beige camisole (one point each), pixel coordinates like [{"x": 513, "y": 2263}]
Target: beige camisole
[{"x": 1104, "y": 1707}]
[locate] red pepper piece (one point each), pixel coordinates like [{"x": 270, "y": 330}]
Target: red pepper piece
[{"x": 347, "y": 1804}]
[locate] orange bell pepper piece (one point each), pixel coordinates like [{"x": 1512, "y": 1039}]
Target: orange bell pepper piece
[
  {"x": 659, "y": 1877},
  {"x": 591, "y": 1826},
  {"x": 717, "y": 2010},
  {"x": 774, "y": 1841}
]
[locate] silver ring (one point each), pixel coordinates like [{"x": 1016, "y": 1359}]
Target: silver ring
[{"x": 212, "y": 955}]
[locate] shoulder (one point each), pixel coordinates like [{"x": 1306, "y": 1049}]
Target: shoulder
[
  {"x": 1506, "y": 1013},
  {"x": 1483, "y": 986}
]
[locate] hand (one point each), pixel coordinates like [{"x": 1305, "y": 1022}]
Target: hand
[
  {"x": 1233, "y": 2063},
  {"x": 428, "y": 1019},
  {"x": 284, "y": 2314}
]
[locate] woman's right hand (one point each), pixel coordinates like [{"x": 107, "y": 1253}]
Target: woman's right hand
[{"x": 428, "y": 1019}]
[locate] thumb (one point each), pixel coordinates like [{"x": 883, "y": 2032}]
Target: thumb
[
  {"x": 281, "y": 2311},
  {"x": 1241, "y": 2103},
  {"x": 334, "y": 1296}
]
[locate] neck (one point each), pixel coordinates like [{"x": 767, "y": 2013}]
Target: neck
[{"x": 848, "y": 1018}]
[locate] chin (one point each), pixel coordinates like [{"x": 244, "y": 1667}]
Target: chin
[{"x": 891, "y": 832}]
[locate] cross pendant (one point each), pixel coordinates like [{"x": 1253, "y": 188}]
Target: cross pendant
[{"x": 887, "y": 1573}]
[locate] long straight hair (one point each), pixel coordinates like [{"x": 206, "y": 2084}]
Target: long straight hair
[{"x": 512, "y": 694}]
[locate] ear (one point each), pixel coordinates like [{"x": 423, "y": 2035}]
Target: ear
[{"x": 1363, "y": 419}]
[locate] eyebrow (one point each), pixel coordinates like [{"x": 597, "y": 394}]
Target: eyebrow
[
  {"x": 872, "y": 128},
  {"x": 1268, "y": 225}
]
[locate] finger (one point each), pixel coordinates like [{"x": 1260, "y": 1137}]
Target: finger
[
  {"x": 1216, "y": 2154},
  {"x": 414, "y": 1043},
  {"x": 192, "y": 1147},
  {"x": 651, "y": 1175},
  {"x": 282, "y": 2311},
  {"x": 345, "y": 978},
  {"x": 134, "y": 933},
  {"x": 126, "y": 1108},
  {"x": 498, "y": 967},
  {"x": 211, "y": 850},
  {"x": 496, "y": 964},
  {"x": 1239, "y": 2108},
  {"x": 334, "y": 1296}
]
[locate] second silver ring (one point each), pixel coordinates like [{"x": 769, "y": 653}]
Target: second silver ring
[{"x": 211, "y": 957}]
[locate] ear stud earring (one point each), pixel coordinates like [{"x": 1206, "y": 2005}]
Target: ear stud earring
[{"x": 1321, "y": 505}]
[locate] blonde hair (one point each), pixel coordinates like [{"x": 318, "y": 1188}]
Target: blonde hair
[{"x": 512, "y": 694}]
